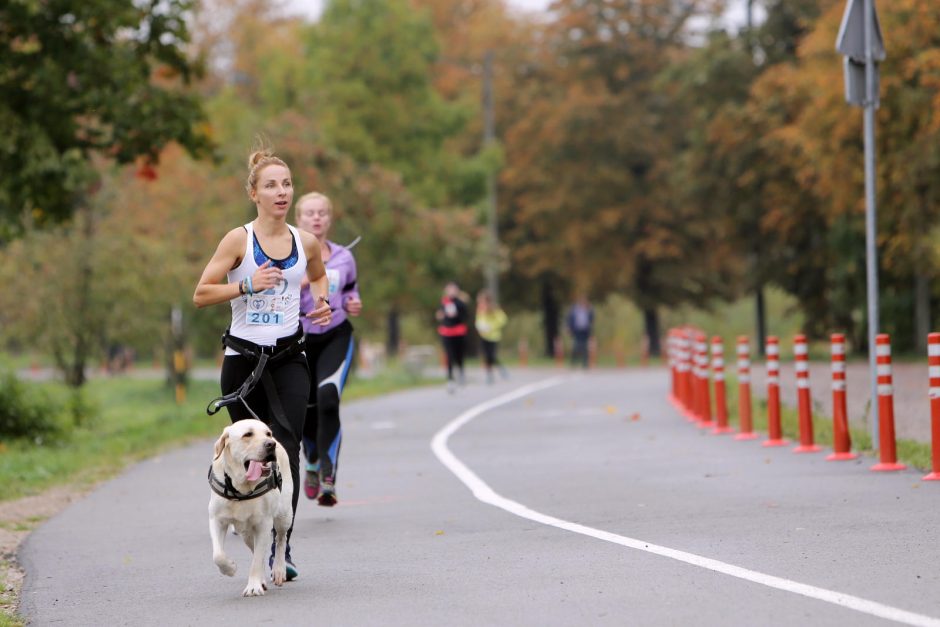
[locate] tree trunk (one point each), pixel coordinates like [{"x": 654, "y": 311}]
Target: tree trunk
[
  {"x": 651, "y": 326},
  {"x": 760, "y": 311},
  {"x": 394, "y": 333},
  {"x": 75, "y": 370},
  {"x": 549, "y": 317},
  {"x": 921, "y": 312}
]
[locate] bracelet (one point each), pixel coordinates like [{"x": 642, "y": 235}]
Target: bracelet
[
  {"x": 251, "y": 291},
  {"x": 241, "y": 287}
]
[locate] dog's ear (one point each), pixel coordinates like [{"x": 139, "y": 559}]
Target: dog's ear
[{"x": 220, "y": 444}]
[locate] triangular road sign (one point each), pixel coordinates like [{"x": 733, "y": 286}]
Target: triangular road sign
[{"x": 851, "y": 39}]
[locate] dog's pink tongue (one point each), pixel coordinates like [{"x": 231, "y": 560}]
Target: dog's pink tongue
[{"x": 254, "y": 471}]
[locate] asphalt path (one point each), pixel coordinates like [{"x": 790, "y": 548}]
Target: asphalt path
[{"x": 584, "y": 499}]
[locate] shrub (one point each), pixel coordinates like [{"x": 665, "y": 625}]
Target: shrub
[{"x": 27, "y": 412}]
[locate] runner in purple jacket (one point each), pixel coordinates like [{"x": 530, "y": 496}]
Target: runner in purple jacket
[{"x": 329, "y": 350}]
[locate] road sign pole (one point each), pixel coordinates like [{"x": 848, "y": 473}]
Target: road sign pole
[
  {"x": 860, "y": 42},
  {"x": 871, "y": 262},
  {"x": 871, "y": 213}
]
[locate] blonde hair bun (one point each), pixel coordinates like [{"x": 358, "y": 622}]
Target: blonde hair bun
[{"x": 259, "y": 158}]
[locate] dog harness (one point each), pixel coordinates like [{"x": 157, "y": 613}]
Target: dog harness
[
  {"x": 263, "y": 355},
  {"x": 227, "y": 491}
]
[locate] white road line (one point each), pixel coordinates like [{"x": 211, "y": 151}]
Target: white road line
[{"x": 484, "y": 493}]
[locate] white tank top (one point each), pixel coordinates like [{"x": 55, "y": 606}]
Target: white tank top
[{"x": 265, "y": 317}]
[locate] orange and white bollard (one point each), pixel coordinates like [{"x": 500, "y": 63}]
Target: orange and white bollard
[
  {"x": 803, "y": 400},
  {"x": 695, "y": 380},
  {"x": 718, "y": 376},
  {"x": 704, "y": 397},
  {"x": 888, "y": 453},
  {"x": 841, "y": 438},
  {"x": 673, "y": 364},
  {"x": 774, "y": 431},
  {"x": 745, "y": 421},
  {"x": 672, "y": 355},
  {"x": 691, "y": 377},
  {"x": 686, "y": 370},
  {"x": 933, "y": 361}
]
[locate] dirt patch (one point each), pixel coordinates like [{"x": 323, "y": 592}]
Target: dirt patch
[{"x": 17, "y": 519}]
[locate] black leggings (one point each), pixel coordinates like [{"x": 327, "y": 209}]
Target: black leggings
[
  {"x": 454, "y": 347},
  {"x": 329, "y": 356},
  {"x": 489, "y": 353},
  {"x": 292, "y": 381}
]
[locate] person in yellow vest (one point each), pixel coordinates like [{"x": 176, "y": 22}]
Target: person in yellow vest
[{"x": 490, "y": 320}]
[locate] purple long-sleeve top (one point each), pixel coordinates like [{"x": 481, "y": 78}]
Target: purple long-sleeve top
[{"x": 341, "y": 273}]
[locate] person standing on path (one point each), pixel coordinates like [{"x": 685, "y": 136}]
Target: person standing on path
[
  {"x": 329, "y": 351},
  {"x": 580, "y": 321},
  {"x": 490, "y": 320},
  {"x": 264, "y": 263},
  {"x": 452, "y": 327}
]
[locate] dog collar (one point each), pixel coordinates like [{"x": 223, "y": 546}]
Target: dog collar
[{"x": 227, "y": 491}]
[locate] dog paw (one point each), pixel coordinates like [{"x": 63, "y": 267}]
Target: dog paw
[
  {"x": 254, "y": 589},
  {"x": 279, "y": 575},
  {"x": 226, "y": 566}
]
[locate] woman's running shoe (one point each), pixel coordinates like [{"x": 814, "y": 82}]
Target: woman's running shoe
[
  {"x": 291, "y": 569},
  {"x": 312, "y": 480},
  {"x": 327, "y": 496},
  {"x": 312, "y": 484}
]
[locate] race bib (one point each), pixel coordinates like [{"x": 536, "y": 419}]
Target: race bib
[
  {"x": 268, "y": 308},
  {"x": 450, "y": 309},
  {"x": 333, "y": 277}
]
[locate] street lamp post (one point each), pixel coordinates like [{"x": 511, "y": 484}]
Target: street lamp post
[{"x": 489, "y": 137}]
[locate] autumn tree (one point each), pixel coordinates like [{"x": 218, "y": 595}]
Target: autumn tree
[
  {"x": 587, "y": 162},
  {"x": 375, "y": 100},
  {"x": 828, "y": 135},
  {"x": 79, "y": 79},
  {"x": 110, "y": 275}
]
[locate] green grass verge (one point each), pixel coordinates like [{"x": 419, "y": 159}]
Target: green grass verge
[
  {"x": 133, "y": 419},
  {"x": 914, "y": 454}
]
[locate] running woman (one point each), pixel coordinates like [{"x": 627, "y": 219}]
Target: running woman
[
  {"x": 264, "y": 263},
  {"x": 329, "y": 351},
  {"x": 452, "y": 327},
  {"x": 489, "y": 321}
]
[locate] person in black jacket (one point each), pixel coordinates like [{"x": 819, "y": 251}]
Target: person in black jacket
[{"x": 452, "y": 327}]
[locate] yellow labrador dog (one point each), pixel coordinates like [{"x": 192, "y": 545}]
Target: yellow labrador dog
[{"x": 251, "y": 490}]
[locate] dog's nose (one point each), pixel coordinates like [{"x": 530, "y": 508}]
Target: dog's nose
[{"x": 269, "y": 445}]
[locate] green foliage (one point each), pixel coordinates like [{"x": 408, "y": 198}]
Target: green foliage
[
  {"x": 132, "y": 419},
  {"x": 371, "y": 70},
  {"x": 27, "y": 413},
  {"x": 95, "y": 77},
  {"x": 633, "y": 160}
]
